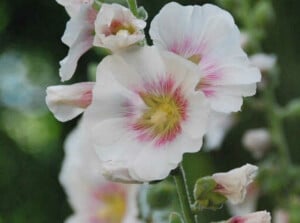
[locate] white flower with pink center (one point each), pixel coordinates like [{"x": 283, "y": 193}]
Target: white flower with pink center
[
  {"x": 145, "y": 114},
  {"x": 68, "y": 101},
  {"x": 78, "y": 35},
  {"x": 117, "y": 28},
  {"x": 94, "y": 199},
  {"x": 255, "y": 217},
  {"x": 208, "y": 37}
]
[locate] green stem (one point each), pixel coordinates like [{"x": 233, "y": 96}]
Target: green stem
[
  {"x": 184, "y": 197},
  {"x": 276, "y": 125},
  {"x": 133, "y": 7}
]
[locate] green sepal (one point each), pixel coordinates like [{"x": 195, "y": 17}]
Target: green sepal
[{"x": 205, "y": 195}]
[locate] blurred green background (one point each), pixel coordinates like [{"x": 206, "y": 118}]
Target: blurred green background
[{"x": 31, "y": 140}]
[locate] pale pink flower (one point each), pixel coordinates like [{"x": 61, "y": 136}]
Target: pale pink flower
[
  {"x": 255, "y": 217},
  {"x": 207, "y": 37},
  {"x": 249, "y": 203},
  {"x": 68, "y": 101},
  {"x": 257, "y": 141},
  {"x": 78, "y": 35},
  {"x": 117, "y": 28},
  {"x": 145, "y": 112},
  {"x": 233, "y": 184},
  {"x": 281, "y": 216},
  {"x": 93, "y": 199}
]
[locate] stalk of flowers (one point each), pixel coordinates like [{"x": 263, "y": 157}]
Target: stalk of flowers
[
  {"x": 147, "y": 99},
  {"x": 255, "y": 217},
  {"x": 93, "y": 198},
  {"x": 113, "y": 27},
  {"x": 208, "y": 38}
]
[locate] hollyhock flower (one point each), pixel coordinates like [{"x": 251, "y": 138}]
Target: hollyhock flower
[
  {"x": 249, "y": 203},
  {"x": 78, "y": 35},
  {"x": 116, "y": 27},
  {"x": 218, "y": 127},
  {"x": 68, "y": 101},
  {"x": 257, "y": 141},
  {"x": 207, "y": 37},
  {"x": 145, "y": 111},
  {"x": 256, "y": 217},
  {"x": 93, "y": 199},
  {"x": 233, "y": 184}
]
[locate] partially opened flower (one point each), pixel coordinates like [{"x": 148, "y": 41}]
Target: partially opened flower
[
  {"x": 255, "y": 217},
  {"x": 117, "y": 28},
  {"x": 248, "y": 205},
  {"x": 68, "y": 101},
  {"x": 145, "y": 114},
  {"x": 94, "y": 199},
  {"x": 233, "y": 184},
  {"x": 78, "y": 35},
  {"x": 207, "y": 36}
]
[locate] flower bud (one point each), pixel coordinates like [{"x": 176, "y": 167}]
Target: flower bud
[
  {"x": 257, "y": 141},
  {"x": 68, "y": 101},
  {"x": 233, "y": 184},
  {"x": 255, "y": 217}
]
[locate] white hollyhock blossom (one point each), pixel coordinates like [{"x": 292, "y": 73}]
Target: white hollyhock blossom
[
  {"x": 207, "y": 36},
  {"x": 145, "y": 113},
  {"x": 68, "y": 101},
  {"x": 218, "y": 126},
  {"x": 257, "y": 141},
  {"x": 117, "y": 28},
  {"x": 78, "y": 35},
  {"x": 233, "y": 184},
  {"x": 93, "y": 198},
  {"x": 249, "y": 203},
  {"x": 255, "y": 217}
]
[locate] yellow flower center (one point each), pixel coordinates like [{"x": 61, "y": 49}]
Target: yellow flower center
[
  {"x": 162, "y": 115},
  {"x": 195, "y": 58},
  {"x": 118, "y": 26},
  {"x": 114, "y": 208}
]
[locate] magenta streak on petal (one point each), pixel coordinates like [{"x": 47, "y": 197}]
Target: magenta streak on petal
[
  {"x": 187, "y": 48},
  {"x": 162, "y": 87},
  {"x": 85, "y": 100},
  {"x": 237, "y": 219}
]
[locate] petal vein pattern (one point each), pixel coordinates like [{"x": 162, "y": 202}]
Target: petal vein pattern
[
  {"x": 207, "y": 37},
  {"x": 150, "y": 111}
]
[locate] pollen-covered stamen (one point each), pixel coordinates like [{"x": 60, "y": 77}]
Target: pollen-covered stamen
[
  {"x": 111, "y": 199},
  {"x": 196, "y": 58},
  {"x": 118, "y": 26},
  {"x": 165, "y": 110}
]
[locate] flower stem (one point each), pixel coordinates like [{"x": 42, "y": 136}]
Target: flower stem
[
  {"x": 184, "y": 197},
  {"x": 133, "y": 7}
]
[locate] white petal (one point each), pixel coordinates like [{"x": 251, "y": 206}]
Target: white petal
[{"x": 68, "y": 101}]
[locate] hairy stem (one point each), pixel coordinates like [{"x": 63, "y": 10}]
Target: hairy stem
[
  {"x": 184, "y": 197},
  {"x": 133, "y": 7}
]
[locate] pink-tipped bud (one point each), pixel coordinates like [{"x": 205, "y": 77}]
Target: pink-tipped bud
[
  {"x": 255, "y": 217},
  {"x": 68, "y": 101}
]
